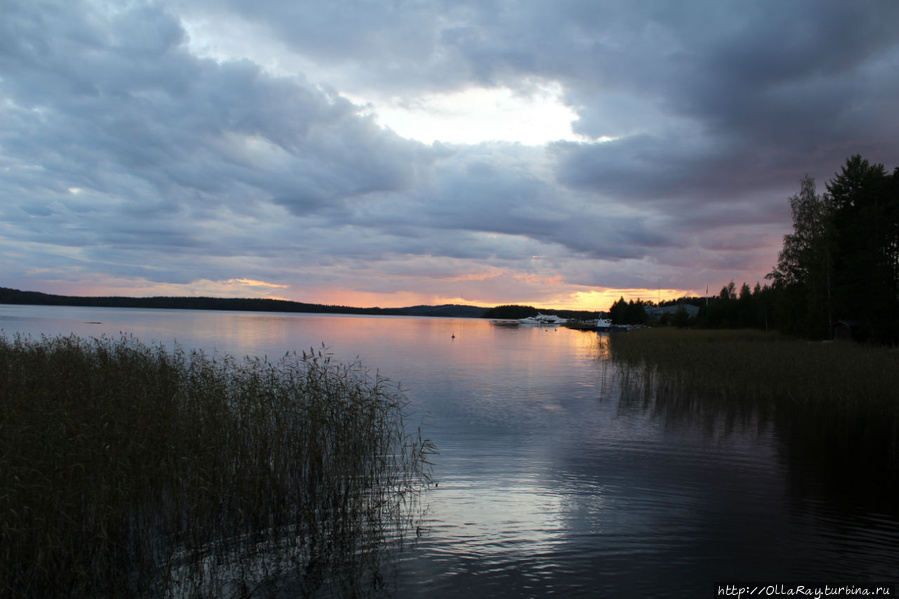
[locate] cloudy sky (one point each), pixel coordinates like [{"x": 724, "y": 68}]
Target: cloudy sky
[{"x": 388, "y": 153}]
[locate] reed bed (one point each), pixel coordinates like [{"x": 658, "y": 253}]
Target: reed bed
[
  {"x": 837, "y": 391},
  {"x": 131, "y": 471}
]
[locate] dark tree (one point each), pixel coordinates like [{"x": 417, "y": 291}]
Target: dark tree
[
  {"x": 865, "y": 248},
  {"x": 841, "y": 263},
  {"x": 632, "y": 312},
  {"x": 803, "y": 276}
]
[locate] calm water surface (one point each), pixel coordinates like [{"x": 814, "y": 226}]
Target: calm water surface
[{"x": 548, "y": 482}]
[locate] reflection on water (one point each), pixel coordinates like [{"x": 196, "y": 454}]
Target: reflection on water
[
  {"x": 840, "y": 486},
  {"x": 550, "y": 480}
]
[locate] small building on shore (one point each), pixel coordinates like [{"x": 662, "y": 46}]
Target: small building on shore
[{"x": 844, "y": 330}]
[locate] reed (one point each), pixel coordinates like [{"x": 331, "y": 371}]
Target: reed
[
  {"x": 129, "y": 470},
  {"x": 753, "y": 365},
  {"x": 840, "y": 391}
]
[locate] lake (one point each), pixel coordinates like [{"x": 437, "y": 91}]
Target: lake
[{"x": 549, "y": 483}]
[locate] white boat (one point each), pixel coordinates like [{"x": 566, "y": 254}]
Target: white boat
[
  {"x": 543, "y": 320},
  {"x": 605, "y": 324}
]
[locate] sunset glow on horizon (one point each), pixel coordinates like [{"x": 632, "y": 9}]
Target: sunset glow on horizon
[{"x": 599, "y": 300}]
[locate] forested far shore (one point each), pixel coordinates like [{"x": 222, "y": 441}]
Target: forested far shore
[{"x": 36, "y": 298}]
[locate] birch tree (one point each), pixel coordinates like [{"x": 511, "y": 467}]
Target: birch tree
[{"x": 804, "y": 267}]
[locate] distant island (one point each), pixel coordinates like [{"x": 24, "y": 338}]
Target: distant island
[{"x": 35, "y": 298}]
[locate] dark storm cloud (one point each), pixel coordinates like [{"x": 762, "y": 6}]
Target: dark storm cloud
[
  {"x": 753, "y": 97},
  {"x": 120, "y": 108}
]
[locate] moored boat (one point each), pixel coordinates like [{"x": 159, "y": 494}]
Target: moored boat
[
  {"x": 605, "y": 324},
  {"x": 543, "y": 320}
]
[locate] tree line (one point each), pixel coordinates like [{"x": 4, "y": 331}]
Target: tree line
[
  {"x": 36, "y": 298},
  {"x": 841, "y": 263},
  {"x": 839, "y": 266},
  {"x": 730, "y": 309},
  {"x": 516, "y": 311}
]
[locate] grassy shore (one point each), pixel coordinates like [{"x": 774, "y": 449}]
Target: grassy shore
[
  {"x": 839, "y": 392},
  {"x": 128, "y": 470},
  {"x": 753, "y": 365}
]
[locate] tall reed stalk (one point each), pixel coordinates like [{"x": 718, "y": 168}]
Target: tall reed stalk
[{"x": 127, "y": 470}]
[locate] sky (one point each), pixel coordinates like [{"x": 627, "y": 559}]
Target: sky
[{"x": 558, "y": 153}]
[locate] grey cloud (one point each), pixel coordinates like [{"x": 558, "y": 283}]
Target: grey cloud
[
  {"x": 122, "y": 109},
  {"x": 489, "y": 193},
  {"x": 648, "y": 167}
]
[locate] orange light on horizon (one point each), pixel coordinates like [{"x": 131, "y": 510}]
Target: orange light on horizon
[
  {"x": 594, "y": 300},
  {"x": 552, "y": 294}
]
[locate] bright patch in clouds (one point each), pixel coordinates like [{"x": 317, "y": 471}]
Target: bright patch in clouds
[
  {"x": 467, "y": 116},
  {"x": 252, "y": 283},
  {"x": 478, "y": 114}
]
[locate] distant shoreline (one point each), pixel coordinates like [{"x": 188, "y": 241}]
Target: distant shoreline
[{"x": 36, "y": 298}]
